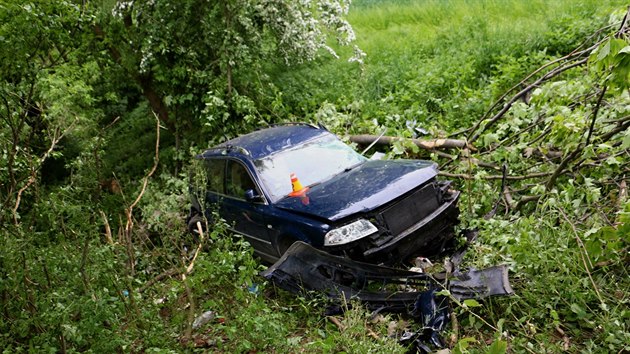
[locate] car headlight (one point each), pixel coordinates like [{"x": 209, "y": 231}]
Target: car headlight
[{"x": 349, "y": 233}]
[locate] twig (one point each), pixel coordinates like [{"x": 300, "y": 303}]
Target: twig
[
  {"x": 165, "y": 274},
  {"x": 565, "y": 162},
  {"x": 622, "y": 27},
  {"x": 191, "y": 309},
  {"x": 129, "y": 210},
  {"x": 373, "y": 143},
  {"x": 192, "y": 262},
  {"x": 501, "y": 194},
  {"x": 189, "y": 294},
  {"x": 472, "y": 160},
  {"x": 337, "y": 323},
  {"x": 146, "y": 178},
  {"x": 56, "y": 137},
  {"x": 599, "y": 102},
  {"x": 516, "y": 97},
  {"x": 108, "y": 230}
]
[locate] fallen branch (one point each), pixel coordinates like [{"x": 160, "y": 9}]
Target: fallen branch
[
  {"x": 365, "y": 139},
  {"x": 555, "y": 72},
  {"x": 337, "y": 323},
  {"x": 429, "y": 145},
  {"x": 495, "y": 177}
]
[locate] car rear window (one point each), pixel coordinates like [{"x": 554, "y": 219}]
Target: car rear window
[{"x": 216, "y": 174}]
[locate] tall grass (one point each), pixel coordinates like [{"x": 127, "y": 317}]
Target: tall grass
[
  {"x": 425, "y": 58},
  {"x": 443, "y": 64}
]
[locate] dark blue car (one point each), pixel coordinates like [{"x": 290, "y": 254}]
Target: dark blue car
[{"x": 296, "y": 182}]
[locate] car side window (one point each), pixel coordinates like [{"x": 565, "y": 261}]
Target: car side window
[
  {"x": 238, "y": 180},
  {"x": 216, "y": 174}
]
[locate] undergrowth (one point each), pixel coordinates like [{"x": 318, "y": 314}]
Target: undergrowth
[{"x": 79, "y": 274}]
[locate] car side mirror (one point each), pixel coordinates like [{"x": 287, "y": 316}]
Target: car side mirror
[{"x": 252, "y": 196}]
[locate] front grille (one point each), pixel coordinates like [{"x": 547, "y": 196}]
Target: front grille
[{"x": 413, "y": 208}]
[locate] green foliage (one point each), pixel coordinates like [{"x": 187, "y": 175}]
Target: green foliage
[
  {"x": 59, "y": 299},
  {"x": 612, "y": 58},
  {"x": 81, "y": 271},
  {"x": 447, "y": 59}
]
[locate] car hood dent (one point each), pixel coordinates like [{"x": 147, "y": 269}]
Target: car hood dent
[{"x": 361, "y": 189}]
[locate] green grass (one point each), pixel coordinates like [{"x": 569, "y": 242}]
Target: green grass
[
  {"x": 439, "y": 62},
  {"x": 443, "y": 64}
]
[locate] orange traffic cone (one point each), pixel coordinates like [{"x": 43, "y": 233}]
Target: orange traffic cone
[{"x": 298, "y": 189}]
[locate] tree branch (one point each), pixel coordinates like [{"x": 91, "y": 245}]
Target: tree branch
[
  {"x": 508, "y": 105},
  {"x": 365, "y": 139},
  {"x": 56, "y": 137}
]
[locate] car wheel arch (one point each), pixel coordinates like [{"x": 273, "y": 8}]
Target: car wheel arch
[{"x": 285, "y": 239}]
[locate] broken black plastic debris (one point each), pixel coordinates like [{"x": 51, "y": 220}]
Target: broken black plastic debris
[
  {"x": 303, "y": 269},
  {"x": 432, "y": 312}
]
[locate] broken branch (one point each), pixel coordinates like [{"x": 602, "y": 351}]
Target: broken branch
[
  {"x": 365, "y": 139},
  {"x": 555, "y": 72},
  {"x": 168, "y": 273},
  {"x": 55, "y": 139},
  {"x": 494, "y": 177}
]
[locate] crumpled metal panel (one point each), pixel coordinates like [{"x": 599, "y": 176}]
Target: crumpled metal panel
[{"x": 304, "y": 268}]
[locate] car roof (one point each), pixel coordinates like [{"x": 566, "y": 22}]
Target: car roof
[{"x": 264, "y": 142}]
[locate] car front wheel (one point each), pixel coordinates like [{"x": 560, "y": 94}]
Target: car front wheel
[{"x": 192, "y": 224}]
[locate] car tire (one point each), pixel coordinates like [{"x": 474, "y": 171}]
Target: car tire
[{"x": 192, "y": 224}]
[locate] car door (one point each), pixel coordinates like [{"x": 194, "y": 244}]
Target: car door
[{"x": 245, "y": 217}]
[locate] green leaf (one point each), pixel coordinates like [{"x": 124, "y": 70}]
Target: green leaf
[
  {"x": 490, "y": 138},
  {"x": 603, "y": 51},
  {"x": 462, "y": 345},
  {"x": 471, "y": 303},
  {"x": 443, "y": 292},
  {"x": 578, "y": 311},
  {"x": 497, "y": 347}
]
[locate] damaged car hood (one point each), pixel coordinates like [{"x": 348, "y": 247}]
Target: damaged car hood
[{"x": 361, "y": 189}]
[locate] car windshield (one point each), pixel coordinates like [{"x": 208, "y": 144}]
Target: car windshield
[{"x": 312, "y": 162}]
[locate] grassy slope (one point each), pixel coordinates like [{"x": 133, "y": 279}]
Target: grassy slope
[
  {"x": 435, "y": 61},
  {"x": 443, "y": 63},
  {"x": 443, "y": 70}
]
